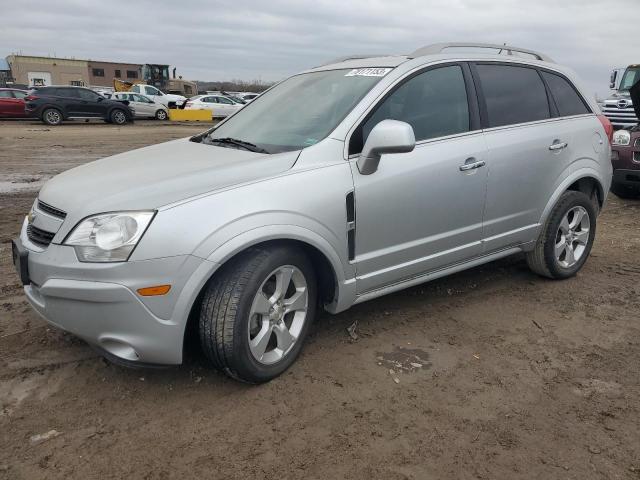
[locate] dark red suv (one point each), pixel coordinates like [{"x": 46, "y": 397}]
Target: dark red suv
[
  {"x": 625, "y": 155},
  {"x": 12, "y": 103}
]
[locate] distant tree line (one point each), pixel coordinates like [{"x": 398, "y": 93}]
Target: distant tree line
[{"x": 256, "y": 86}]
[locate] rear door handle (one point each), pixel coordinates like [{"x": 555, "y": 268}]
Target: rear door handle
[
  {"x": 557, "y": 145},
  {"x": 471, "y": 164}
]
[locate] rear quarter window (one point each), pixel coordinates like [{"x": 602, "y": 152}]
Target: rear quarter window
[
  {"x": 567, "y": 99},
  {"x": 513, "y": 94}
]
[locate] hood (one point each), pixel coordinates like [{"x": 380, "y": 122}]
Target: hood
[
  {"x": 154, "y": 176},
  {"x": 634, "y": 92}
]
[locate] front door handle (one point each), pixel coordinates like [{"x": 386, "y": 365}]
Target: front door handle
[
  {"x": 558, "y": 145},
  {"x": 471, "y": 164}
]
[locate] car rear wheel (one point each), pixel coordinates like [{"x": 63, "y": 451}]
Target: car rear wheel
[
  {"x": 161, "y": 115},
  {"x": 52, "y": 116},
  {"x": 566, "y": 239},
  {"x": 256, "y": 312},
  {"x": 118, "y": 117}
]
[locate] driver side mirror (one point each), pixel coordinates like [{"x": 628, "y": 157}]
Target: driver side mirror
[{"x": 388, "y": 136}]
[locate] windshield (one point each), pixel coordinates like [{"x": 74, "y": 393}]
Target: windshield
[
  {"x": 631, "y": 76},
  {"x": 300, "y": 111}
]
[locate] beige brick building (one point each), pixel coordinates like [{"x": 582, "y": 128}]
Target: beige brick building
[{"x": 36, "y": 71}]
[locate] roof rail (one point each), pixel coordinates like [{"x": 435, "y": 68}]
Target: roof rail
[
  {"x": 350, "y": 57},
  {"x": 436, "y": 48}
]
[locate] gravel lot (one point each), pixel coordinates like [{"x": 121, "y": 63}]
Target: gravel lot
[{"x": 520, "y": 377}]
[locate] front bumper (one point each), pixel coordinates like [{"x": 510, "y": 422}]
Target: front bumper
[{"x": 99, "y": 302}]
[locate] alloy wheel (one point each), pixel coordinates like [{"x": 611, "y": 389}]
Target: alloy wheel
[
  {"x": 119, "y": 118},
  {"x": 572, "y": 237},
  {"x": 53, "y": 117},
  {"x": 278, "y": 314}
]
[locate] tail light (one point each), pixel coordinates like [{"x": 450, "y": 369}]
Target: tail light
[
  {"x": 608, "y": 128},
  {"x": 30, "y": 98}
]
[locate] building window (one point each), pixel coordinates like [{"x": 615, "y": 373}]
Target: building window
[
  {"x": 132, "y": 74},
  {"x": 98, "y": 72},
  {"x": 76, "y": 83},
  {"x": 118, "y": 74}
]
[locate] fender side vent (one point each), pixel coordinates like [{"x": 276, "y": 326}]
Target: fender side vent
[{"x": 351, "y": 225}]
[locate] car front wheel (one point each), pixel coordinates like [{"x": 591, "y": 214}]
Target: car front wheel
[
  {"x": 118, "y": 117},
  {"x": 256, "y": 312},
  {"x": 161, "y": 115},
  {"x": 566, "y": 239}
]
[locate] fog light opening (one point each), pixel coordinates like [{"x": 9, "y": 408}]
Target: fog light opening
[{"x": 120, "y": 349}]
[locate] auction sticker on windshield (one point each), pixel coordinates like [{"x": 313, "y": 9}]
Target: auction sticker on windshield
[{"x": 368, "y": 72}]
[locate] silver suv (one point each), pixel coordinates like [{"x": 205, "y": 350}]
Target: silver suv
[{"x": 336, "y": 186}]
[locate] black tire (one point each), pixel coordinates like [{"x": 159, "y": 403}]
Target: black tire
[
  {"x": 161, "y": 114},
  {"x": 224, "y": 323},
  {"x": 118, "y": 117},
  {"x": 52, "y": 116},
  {"x": 625, "y": 191},
  {"x": 542, "y": 259}
]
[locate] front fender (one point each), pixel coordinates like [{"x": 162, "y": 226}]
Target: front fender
[{"x": 344, "y": 272}]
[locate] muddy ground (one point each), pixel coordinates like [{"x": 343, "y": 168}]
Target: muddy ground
[{"x": 513, "y": 376}]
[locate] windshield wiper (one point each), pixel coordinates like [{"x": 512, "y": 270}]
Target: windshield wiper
[{"x": 238, "y": 143}]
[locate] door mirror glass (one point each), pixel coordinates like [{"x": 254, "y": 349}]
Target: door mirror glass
[{"x": 388, "y": 136}]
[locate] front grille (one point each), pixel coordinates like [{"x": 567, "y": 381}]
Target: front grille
[
  {"x": 636, "y": 157},
  {"x": 38, "y": 236},
  {"x": 53, "y": 211},
  {"x": 620, "y": 116},
  {"x": 636, "y": 144}
]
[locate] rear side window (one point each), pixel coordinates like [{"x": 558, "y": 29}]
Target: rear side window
[
  {"x": 567, "y": 99},
  {"x": 434, "y": 103},
  {"x": 513, "y": 94},
  {"x": 87, "y": 95},
  {"x": 5, "y": 94}
]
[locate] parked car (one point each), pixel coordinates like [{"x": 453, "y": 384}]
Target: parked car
[
  {"x": 170, "y": 100},
  {"x": 219, "y": 105},
  {"x": 625, "y": 155},
  {"x": 54, "y": 104},
  {"x": 143, "y": 106},
  {"x": 336, "y": 186},
  {"x": 12, "y": 103}
]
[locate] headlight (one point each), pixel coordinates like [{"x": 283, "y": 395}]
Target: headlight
[
  {"x": 621, "y": 137},
  {"x": 108, "y": 237}
]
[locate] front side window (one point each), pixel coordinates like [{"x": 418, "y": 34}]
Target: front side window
[
  {"x": 434, "y": 103},
  {"x": 567, "y": 99},
  {"x": 300, "y": 111},
  {"x": 225, "y": 101},
  {"x": 135, "y": 88},
  {"x": 5, "y": 94},
  {"x": 513, "y": 94},
  {"x": 19, "y": 94}
]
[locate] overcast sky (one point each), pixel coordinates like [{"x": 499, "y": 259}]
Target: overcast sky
[{"x": 268, "y": 40}]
